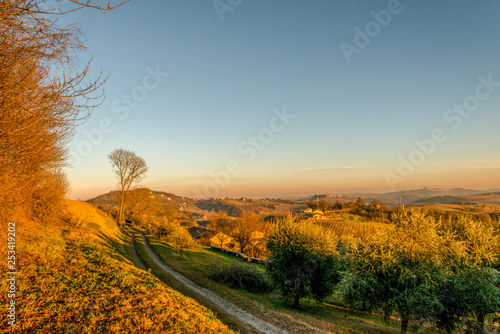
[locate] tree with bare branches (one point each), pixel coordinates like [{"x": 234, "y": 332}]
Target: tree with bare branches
[
  {"x": 43, "y": 97},
  {"x": 129, "y": 168},
  {"x": 243, "y": 231},
  {"x": 221, "y": 223}
]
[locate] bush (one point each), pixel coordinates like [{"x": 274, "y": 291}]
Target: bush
[{"x": 244, "y": 277}]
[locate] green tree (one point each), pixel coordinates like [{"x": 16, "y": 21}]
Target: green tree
[
  {"x": 323, "y": 205},
  {"x": 164, "y": 227},
  {"x": 360, "y": 205},
  {"x": 180, "y": 239},
  {"x": 302, "y": 259},
  {"x": 472, "y": 289},
  {"x": 401, "y": 269}
]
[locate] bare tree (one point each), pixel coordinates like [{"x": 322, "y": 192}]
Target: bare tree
[
  {"x": 221, "y": 223},
  {"x": 129, "y": 168},
  {"x": 43, "y": 97},
  {"x": 243, "y": 233}
]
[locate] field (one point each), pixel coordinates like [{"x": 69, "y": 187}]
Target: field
[
  {"x": 198, "y": 263},
  {"x": 75, "y": 276},
  {"x": 352, "y": 225}
]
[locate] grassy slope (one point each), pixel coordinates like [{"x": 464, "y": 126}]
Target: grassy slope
[
  {"x": 198, "y": 262},
  {"x": 75, "y": 276},
  {"x": 231, "y": 321}
]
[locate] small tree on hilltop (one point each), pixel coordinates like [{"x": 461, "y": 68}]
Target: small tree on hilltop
[{"x": 129, "y": 168}]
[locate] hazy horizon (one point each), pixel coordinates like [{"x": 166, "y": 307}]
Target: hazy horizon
[{"x": 297, "y": 195}]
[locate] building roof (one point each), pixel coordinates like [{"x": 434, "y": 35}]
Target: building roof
[{"x": 197, "y": 232}]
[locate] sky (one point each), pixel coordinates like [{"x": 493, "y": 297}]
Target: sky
[{"x": 290, "y": 98}]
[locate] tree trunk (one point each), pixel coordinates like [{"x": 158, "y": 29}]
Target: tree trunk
[
  {"x": 404, "y": 325},
  {"x": 387, "y": 312},
  {"x": 122, "y": 202},
  {"x": 296, "y": 301},
  {"x": 480, "y": 323}
]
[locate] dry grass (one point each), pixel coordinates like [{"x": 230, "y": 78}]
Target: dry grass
[{"x": 75, "y": 276}]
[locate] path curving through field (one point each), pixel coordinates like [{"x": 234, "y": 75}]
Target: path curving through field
[
  {"x": 242, "y": 315},
  {"x": 133, "y": 251}
]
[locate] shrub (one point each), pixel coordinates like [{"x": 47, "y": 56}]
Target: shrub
[{"x": 244, "y": 277}]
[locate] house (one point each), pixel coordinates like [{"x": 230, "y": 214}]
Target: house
[
  {"x": 318, "y": 214},
  {"x": 257, "y": 235},
  {"x": 222, "y": 240},
  {"x": 308, "y": 211},
  {"x": 197, "y": 232}
]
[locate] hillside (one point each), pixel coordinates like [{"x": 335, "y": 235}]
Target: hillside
[
  {"x": 391, "y": 199},
  {"x": 489, "y": 198},
  {"x": 110, "y": 199},
  {"x": 75, "y": 276},
  {"x": 203, "y": 208},
  {"x": 234, "y": 207},
  {"x": 414, "y": 195}
]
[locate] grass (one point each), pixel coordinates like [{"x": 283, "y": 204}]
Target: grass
[
  {"x": 198, "y": 263},
  {"x": 75, "y": 276},
  {"x": 230, "y": 321}
]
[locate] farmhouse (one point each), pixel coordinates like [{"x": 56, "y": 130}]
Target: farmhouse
[
  {"x": 222, "y": 240},
  {"x": 318, "y": 214}
]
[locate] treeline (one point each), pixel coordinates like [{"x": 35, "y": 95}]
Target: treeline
[
  {"x": 375, "y": 210},
  {"x": 379, "y": 212},
  {"x": 42, "y": 99},
  {"x": 443, "y": 273}
]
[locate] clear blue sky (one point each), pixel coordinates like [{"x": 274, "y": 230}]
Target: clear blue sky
[{"x": 356, "y": 102}]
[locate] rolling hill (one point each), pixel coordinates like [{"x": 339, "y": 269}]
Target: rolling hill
[
  {"x": 204, "y": 207},
  {"x": 75, "y": 275},
  {"x": 488, "y": 198}
]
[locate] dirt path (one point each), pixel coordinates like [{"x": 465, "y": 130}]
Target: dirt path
[
  {"x": 244, "y": 316},
  {"x": 133, "y": 252}
]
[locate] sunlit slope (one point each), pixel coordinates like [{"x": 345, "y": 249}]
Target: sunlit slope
[{"x": 75, "y": 276}]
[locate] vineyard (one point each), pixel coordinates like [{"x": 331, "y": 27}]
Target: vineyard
[{"x": 351, "y": 228}]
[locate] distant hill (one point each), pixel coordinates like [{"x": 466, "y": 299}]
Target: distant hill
[
  {"x": 488, "y": 198},
  {"x": 415, "y": 196},
  {"x": 235, "y": 207},
  {"x": 440, "y": 200},
  {"x": 110, "y": 200},
  {"x": 419, "y": 195}
]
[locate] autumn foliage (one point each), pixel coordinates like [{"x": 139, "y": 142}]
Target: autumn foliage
[{"x": 43, "y": 96}]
